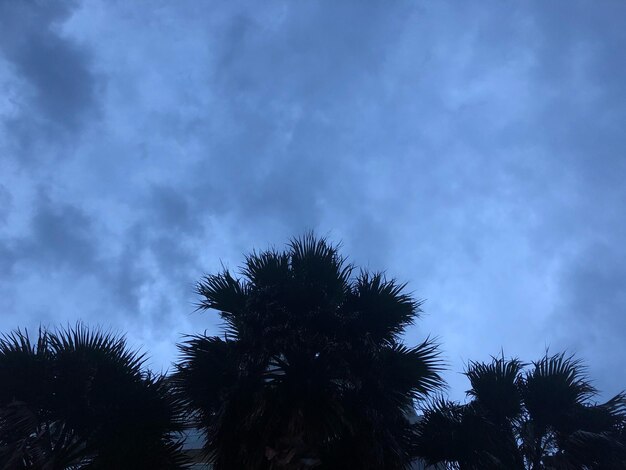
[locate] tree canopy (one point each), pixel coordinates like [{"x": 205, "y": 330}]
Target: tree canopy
[
  {"x": 311, "y": 370},
  {"x": 78, "y": 398},
  {"x": 536, "y": 416}
]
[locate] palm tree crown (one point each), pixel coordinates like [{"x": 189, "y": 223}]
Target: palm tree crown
[
  {"x": 520, "y": 417},
  {"x": 77, "y": 398},
  {"x": 311, "y": 370}
]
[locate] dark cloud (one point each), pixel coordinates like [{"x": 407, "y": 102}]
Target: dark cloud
[
  {"x": 171, "y": 209},
  {"x": 61, "y": 237},
  {"x": 56, "y": 89}
]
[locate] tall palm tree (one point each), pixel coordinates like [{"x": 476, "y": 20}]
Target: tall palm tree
[
  {"x": 77, "y": 398},
  {"x": 541, "y": 417},
  {"x": 310, "y": 370}
]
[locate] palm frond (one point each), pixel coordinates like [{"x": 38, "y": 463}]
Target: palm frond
[
  {"x": 85, "y": 398},
  {"x": 316, "y": 263},
  {"x": 379, "y": 308},
  {"x": 586, "y": 449},
  {"x": 412, "y": 371},
  {"x": 311, "y": 365},
  {"x": 95, "y": 344},
  {"x": 222, "y": 292},
  {"x": 229, "y": 296},
  {"x": 208, "y": 367},
  {"x": 438, "y": 431},
  {"x": 24, "y": 367},
  {"x": 495, "y": 387},
  {"x": 554, "y": 387},
  {"x": 267, "y": 269}
]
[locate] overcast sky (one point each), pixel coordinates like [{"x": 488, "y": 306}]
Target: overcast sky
[{"x": 476, "y": 150}]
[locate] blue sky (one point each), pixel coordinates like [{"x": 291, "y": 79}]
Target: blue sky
[{"x": 475, "y": 150}]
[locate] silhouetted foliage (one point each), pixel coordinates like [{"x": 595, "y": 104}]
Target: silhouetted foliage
[
  {"x": 79, "y": 399},
  {"x": 311, "y": 370},
  {"x": 520, "y": 417}
]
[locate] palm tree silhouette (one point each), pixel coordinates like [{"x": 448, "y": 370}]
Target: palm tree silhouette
[
  {"x": 77, "y": 398},
  {"x": 310, "y": 371},
  {"x": 540, "y": 417}
]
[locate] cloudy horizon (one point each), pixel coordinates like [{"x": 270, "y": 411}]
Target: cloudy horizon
[{"x": 476, "y": 152}]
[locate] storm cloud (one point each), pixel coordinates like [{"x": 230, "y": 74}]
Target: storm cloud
[{"x": 475, "y": 151}]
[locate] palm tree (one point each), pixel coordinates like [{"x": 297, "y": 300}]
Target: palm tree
[
  {"x": 310, "y": 370},
  {"x": 534, "y": 418},
  {"x": 78, "y": 399}
]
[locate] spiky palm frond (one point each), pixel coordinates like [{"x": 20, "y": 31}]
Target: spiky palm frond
[
  {"x": 594, "y": 437},
  {"x": 609, "y": 416},
  {"x": 91, "y": 369},
  {"x": 495, "y": 387},
  {"x": 379, "y": 308},
  {"x": 268, "y": 269},
  {"x": 229, "y": 296},
  {"x": 399, "y": 375},
  {"x": 89, "y": 403},
  {"x": 321, "y": 279},
  {"x": 27, "y": 424},
  {"x": 553, "y": 388},
  {"x": 517, "y": 418},
  {"x": 438, "y": 432},
  {"x": 144, "y": 430},
  {"x": 311, "y": 363},
  {"x": 588, "y": 450},
  {"x": 214, "y": 381},
  {"x": 222, "y": 292},
  {"x": 25, "y": 442},
  {"x": 92, "y": 343},
  {"x": 208, "y": 368},
  {"x": 315, "y": 260},
  {"x": 24, "y": 371}
]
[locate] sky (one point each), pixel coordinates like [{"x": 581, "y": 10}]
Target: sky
[{"x": 475, "y": 150}]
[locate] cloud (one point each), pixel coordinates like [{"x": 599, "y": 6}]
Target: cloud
[
  {"x": 592, "y": 309},
  {"x": 474, "y": 151},
  {"x": 62, "y": 238},
  {"x": 5, "y": 204},
  {"x": 53, "y": 89}
]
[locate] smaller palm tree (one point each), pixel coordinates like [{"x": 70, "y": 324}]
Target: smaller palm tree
[
  {"x": 520, "y": 417},
  {"x": 77, "y": 398}
]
